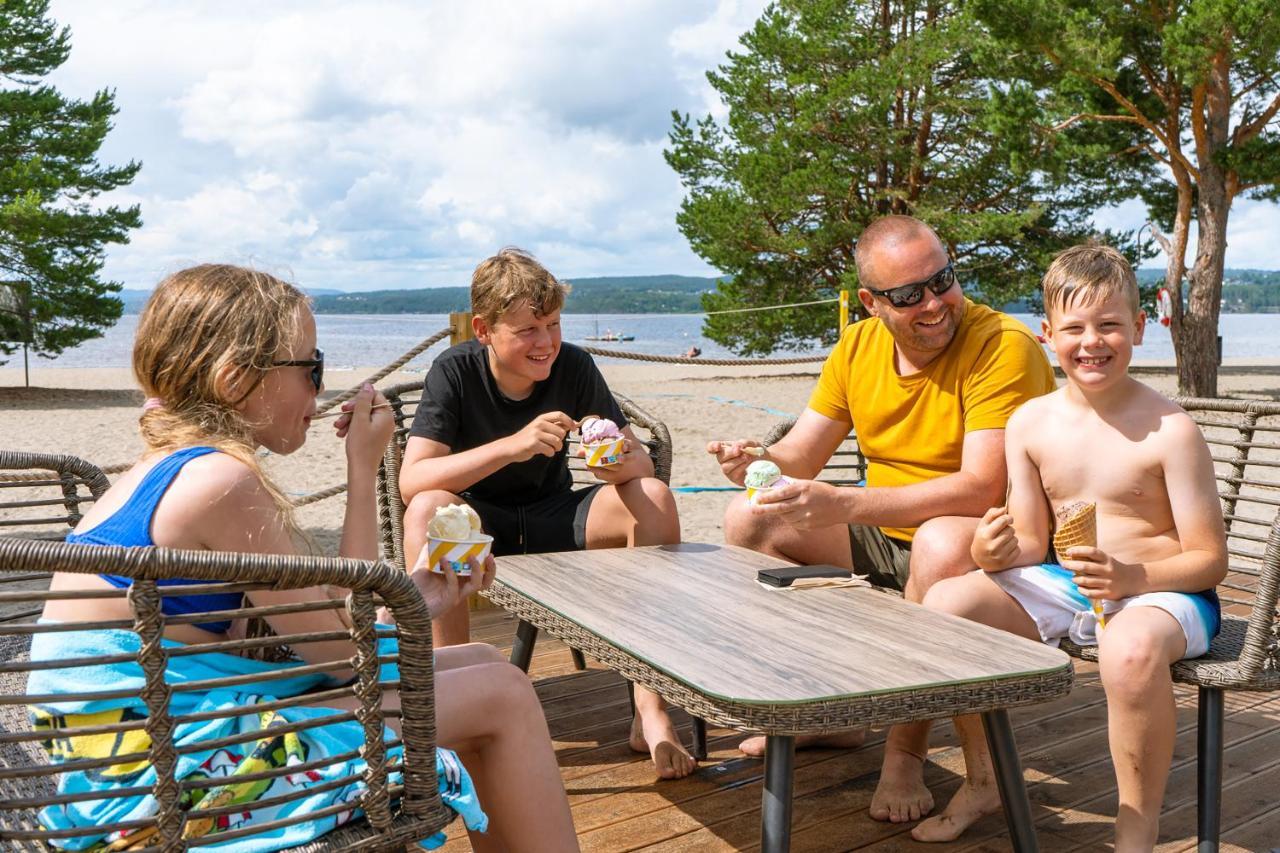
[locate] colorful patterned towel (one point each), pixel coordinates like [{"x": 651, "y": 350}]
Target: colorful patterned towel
[{"x": 220, "y": 766}]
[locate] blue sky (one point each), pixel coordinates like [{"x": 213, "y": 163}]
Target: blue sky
[{"x": 364, "y": 145}]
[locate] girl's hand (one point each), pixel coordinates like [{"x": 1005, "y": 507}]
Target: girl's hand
[
  {"x": 995, "y": 545},
  {"x": 366, "y": 429},
  {"x": 444, "y": 591}
]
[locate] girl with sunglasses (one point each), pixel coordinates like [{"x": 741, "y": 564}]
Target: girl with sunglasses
[{"x": 227, "y": 357}]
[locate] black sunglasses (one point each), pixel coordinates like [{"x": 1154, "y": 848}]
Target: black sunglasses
[
  {"x": 316, "y": 364},
  {"x": 907, "y": 295}
]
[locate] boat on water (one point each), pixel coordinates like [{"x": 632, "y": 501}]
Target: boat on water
[{"x": 609, "y": 335}]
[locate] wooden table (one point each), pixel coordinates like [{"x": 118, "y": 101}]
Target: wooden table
[{"x": 691, "y": 622}]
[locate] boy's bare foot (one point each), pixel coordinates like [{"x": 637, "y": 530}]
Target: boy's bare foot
[
  {"x": 901, "y": 795},
  {"x": 852, "y": 739},
  {"x": 970, "y": 804},
  {"x": 656, "y": 736}
]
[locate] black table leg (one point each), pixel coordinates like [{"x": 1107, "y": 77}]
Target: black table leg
[
  {"x": 579, "y": 662},
  {"x": 699, "y": 738},
  {"x": 1013, "y": 791},
  {"x": 1209, "y": 770},
  {"x": 522, "y": 648},
  {"x": 775, "y": 810}
]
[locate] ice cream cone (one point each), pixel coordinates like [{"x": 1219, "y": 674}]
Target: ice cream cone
[{"x": 1078, "y": 527}]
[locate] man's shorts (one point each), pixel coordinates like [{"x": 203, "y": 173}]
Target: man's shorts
[
  {"x": 884, "y": 559},
  {"x": 556, "y": 523},
  {"x": 1051, "y": 598}
]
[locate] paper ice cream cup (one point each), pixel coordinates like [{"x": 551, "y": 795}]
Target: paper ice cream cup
[
  {"x": 456, "y": 552},
  {"x": 752, "y": 492},
  {"x": 605, "y": 453}
]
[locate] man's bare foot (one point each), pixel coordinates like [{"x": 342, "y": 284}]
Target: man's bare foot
[
  {"x": 655, "y": 735},
  {"x": 852, "y": 739},
  {"x": 901, "y": 795},
  {"x": 970, "y": 804}
]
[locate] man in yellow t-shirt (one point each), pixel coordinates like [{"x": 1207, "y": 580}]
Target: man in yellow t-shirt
[{"x": 928, "y": 382}]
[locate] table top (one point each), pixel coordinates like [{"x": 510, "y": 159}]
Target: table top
[{"x": 696, "y": 614}]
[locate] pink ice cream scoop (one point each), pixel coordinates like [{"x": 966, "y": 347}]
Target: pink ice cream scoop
[{"x": 596, "y": 430}]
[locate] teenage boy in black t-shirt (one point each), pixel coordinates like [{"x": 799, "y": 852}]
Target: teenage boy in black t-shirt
[{"x": 491, "y": 430}]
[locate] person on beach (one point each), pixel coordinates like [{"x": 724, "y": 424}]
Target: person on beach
[
  {"x": 491, "y": 431},
  {"x": 928, "y": 381},
  {"x": 229, "y": 361},
  {"x": 1103, "y": 439}
]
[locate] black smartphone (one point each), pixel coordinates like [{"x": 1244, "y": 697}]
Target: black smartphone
[{"x": 784, "y": 575}]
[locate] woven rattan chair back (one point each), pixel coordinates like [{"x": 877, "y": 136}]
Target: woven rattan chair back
[
  {"x": 397, "y": 813},
  {"x": 404, "y": 400},
  {"x": 847, "y": 466}
]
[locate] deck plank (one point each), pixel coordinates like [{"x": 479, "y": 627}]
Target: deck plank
[{"x": 618, "y": 805}]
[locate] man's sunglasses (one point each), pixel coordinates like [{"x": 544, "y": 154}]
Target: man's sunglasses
[
  {"x": 907, "y": 295},
  {"x": 316, "y": 364}
]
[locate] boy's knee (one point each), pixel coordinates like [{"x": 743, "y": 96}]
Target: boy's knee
[
  {"x": 950, "y": 595},
  {"x": 1130, "y": 659},
  {"x": 423, "y": 506}
]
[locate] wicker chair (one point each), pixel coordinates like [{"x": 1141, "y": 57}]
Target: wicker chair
[
  {"x": 395, "y": 814},
  {"x": 1244, "y": 437}
]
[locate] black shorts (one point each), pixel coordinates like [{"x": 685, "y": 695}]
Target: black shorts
[
  {"x": 886, "y": 560},
  {"x": 557, "y": 523}
]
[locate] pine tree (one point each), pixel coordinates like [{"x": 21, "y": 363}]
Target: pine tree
[
  {"x": 1198, "y": 82},
  {"x": 52, "y": 236},
  {"x": 842, "y": 111}
]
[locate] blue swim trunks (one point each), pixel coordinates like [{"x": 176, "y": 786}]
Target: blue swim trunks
[{"x": 1051, "y": 598}]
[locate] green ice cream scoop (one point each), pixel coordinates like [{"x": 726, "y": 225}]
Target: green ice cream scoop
[{"x": 762, "y": 474}]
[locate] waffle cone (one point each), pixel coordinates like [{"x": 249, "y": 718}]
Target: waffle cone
[{"x": 1078, "y": 528}]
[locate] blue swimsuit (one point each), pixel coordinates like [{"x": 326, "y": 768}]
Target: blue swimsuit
[{"x": 130, "y": 526}]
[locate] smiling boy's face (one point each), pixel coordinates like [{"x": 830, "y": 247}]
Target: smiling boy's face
[
  {"x": 1094, "y": 342},
  {"x": 522, "y": 345}
]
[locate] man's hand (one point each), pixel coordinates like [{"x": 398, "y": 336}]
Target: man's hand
[
  {"x": 544, "y": 436},
  {"x": 443, "y": 591},
  {"x": 806, "y": 504},
  {"x": 1101, "y": 577},
  {"x": 734, "y": 457},
  {"x": 995, "y": 545}
]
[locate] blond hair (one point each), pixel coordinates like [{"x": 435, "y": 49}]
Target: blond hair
[
  {"x": 205, "y": 330},
  {"x": 510, "y": 278},
  {"x": 1086, "y": 275}
]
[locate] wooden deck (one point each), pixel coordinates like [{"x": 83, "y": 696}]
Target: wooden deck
[{"x": 618, "y": 805}]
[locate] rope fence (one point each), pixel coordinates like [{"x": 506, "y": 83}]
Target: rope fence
[{"x": 713, "y": 362}]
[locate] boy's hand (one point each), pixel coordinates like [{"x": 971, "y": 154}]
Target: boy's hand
[
  {"x": 544, "y": 436},
  {"x": 1101, "y": 577},
  {"x": 614, "y": 474},
  {"x": 995, "y": 545},
  {"x": 806, "y": 504},
  {"x": 734, "y": 458}
]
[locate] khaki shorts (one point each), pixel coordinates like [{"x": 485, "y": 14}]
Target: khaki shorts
[{"x": 885, "y": 559}]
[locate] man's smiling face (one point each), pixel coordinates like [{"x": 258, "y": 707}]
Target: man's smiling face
[{"x": 921, "y": 331}]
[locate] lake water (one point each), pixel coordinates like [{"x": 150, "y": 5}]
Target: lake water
[{"x": 375, "y": 339}]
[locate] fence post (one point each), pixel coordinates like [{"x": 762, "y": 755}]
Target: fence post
[
  {"x": 844, "y": 310},
  {"x": 459, "y": 327},
  {"x": 459, "y": 331}
]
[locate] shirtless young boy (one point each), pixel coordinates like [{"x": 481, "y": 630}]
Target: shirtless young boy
[{"x": 1103, "y": 438}]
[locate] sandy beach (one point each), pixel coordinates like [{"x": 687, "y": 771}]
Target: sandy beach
[{"x": 92, "y": 413}]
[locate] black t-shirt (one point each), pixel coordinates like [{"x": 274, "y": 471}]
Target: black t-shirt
[{"x": 463, "y": 408}]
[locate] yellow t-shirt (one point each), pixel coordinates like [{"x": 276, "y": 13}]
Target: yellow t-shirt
[{"x": 912, "y": 428}]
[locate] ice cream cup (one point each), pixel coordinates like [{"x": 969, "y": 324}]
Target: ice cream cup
[
  {"x": 604, "y": 454},
  {"x": 456, "y": 552},
  {"x": 753, "y": 491}
]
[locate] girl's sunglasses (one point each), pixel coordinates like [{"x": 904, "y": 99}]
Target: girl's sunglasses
[
  {"x": 909, "y": 294},
  {"x": 317, "y": 367}
]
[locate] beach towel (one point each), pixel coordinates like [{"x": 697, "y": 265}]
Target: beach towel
[{"x": 220, "y": 766}]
